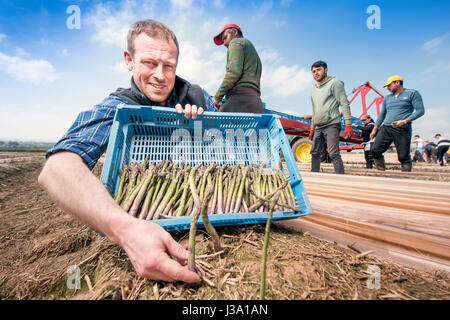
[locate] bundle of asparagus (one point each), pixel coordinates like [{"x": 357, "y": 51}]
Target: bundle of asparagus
[{"x": 151, "y": 191}]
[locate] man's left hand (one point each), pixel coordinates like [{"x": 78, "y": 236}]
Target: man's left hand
[
  {"x": 189, "y": 110},
  {"x": 348, "y": 131}
]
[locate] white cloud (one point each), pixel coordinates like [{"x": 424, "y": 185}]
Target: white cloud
[
  {"x": 433, "y": 45},
  {"x": 218, "y": 4},
  {"x": 438, "y": 68},
  {"x": 263, "y": 10},
  {"x": 120, "y": 67},
  {"x": 29, "y": 71},
  {"x": 181, "y": 5},
  {"x": 111, "y": 26},
  {"x": 21, "y": 52},
  {"x": 286, "y": 3},
  {"x": 282, "y": 80},
  {"x": 435, "y": 120},
  {"x": 2, "y": 37},
  {"x": 25, "y": 124}
]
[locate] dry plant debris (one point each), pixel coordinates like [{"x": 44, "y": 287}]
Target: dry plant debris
[{"x": 39, "y": 243}]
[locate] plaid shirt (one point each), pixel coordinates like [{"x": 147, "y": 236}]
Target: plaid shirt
[{"x": 89, "y": 134}]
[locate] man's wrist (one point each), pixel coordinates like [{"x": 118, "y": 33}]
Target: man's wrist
[{"x": 118, "y": 226}]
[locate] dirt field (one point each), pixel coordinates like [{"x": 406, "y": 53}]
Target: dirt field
[{"x": 39, "y": 244}]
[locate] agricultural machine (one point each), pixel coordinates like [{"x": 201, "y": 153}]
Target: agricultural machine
[{"x": 298, "y": 128}]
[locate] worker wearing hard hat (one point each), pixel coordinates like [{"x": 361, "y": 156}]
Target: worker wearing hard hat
[
  {"x": 398, "y": 110},
  {"x": 241, "y": 84}
]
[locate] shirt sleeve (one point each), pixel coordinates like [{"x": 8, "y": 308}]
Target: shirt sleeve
[
  {"x": 89, "y": 134},
  {"x": 235, "y": 63},
  {"x": 340, "y": 95},
  {"x": 382, "y": 114},
  {"x": 417, "y": 103}
]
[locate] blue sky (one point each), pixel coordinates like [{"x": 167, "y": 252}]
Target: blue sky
[{"x": 49, "y": 73}]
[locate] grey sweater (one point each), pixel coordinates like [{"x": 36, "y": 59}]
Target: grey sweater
[{"x": 326, "y": 99}]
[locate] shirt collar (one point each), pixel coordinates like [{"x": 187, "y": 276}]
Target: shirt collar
[{"x": 171, "y": 102}]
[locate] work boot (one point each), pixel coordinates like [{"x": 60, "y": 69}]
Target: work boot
[
  {"x": 406, "y": 167},
  {"x": 379, "y": 164}
]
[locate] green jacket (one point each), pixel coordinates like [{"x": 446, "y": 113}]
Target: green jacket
[
  {"x": 326, "y": 99},
  {"x": 243, "y": 67}
]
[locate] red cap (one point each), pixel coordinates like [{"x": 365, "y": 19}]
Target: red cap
[{"x": 218, "y": 37}]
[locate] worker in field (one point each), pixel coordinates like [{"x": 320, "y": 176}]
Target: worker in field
[
  {"x": 430, "y": 151},
  {"x": 366, "y": 130},
  {"x": 419, "y": 149},
  {"x": 326, "y": 97},
  {"x": 398, "y": 111},
  {"x": 442, "y": 147},
  {"x": 152, "y": 57},
  {"x": 241, "y": 84}
]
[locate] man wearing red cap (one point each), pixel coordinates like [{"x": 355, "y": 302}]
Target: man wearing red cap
[{"x": 241, "y": 84}]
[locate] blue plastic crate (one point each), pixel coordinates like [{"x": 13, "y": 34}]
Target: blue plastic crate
[{"x": 160, "y": 133}]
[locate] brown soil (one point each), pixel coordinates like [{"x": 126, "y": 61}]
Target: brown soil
[{"x": 39, "y": 242}]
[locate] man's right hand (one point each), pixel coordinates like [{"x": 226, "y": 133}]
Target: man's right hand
[
  {"x": 373, "y": 133},
  {"x": 148, "y": 246},
  {"x": 311, "y": 134},
  {"x": 189, "y": 111}
]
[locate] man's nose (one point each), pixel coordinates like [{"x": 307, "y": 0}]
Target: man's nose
[{"x": 159, "y": 72}]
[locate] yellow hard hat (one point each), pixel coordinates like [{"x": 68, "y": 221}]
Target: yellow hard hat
[{"x": 392, "y": 79}]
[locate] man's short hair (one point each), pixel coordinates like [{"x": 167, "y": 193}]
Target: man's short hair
[
  {"x": 417, "y": 136},
  {"x": 437, "y": 135},
  {"x": 319, "y": 64},
  {"x": 153, "y": 29}
]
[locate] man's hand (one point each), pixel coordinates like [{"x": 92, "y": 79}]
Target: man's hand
[
  {"x": 399, "y": 123},
  {"x": 216, "y": 103},
  {"x": 149, "y": 248},
  {"x": 189, "y": 110},
  {"x": 354, "y": 125},
  {"x": 311, "y": 134},
  {"x": 373, "y": 133},
  {"x": 348, "y": 131}
]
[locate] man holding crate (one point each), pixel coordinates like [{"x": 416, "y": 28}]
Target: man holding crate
[{"x": 152, "y": 56}]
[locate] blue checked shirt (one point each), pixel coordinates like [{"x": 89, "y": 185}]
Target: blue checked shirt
[{"x": 89, "y": 134}]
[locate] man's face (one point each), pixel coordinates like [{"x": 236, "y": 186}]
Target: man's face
[
  {"x": 227, "y": 36},
  {"x": 319, "y": 73},
  {"x": 394, "y": 86},
  {"x": 154, "y": 66}
]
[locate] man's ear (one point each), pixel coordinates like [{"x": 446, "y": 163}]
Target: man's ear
[
  {"x": 128, "y": 60},
  {"x": 326, "y": 70}
]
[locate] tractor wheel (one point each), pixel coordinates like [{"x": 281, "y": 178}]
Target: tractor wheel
[{"x": 301, "y": 150}]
